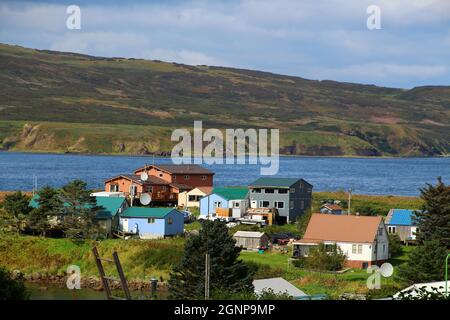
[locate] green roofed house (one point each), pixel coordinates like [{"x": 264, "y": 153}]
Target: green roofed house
[
  {"x": 151, "y": 223},
  {"x": 234, "y": 198},
  {"x": 108, "y": 216},
  {"x": 292, "y": 197}
]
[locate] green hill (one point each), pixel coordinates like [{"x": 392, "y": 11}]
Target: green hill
[{"x": 65, "y": 102}]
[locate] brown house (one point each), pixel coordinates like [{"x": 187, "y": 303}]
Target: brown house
[
  {"x": 161, "y": 191},
  {"x": 191, "y": 175}
]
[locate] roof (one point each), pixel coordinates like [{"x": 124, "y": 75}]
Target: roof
[
  {"x": 205, "y": 190},
  {"x": 180, "y": 186},
  {"x": 332, "y": 206},
  {"x": 248, "y": 234},
  {"x": 276, "y": 182},
  {"x": 137, "y": 179},
  {"x": 278, "y": 285},
  {"x": 231, "y": 193},
  {"x": 178, "y": 168},
  {"x": 343, "y": 228},
  {"x": 111, "y": 205},
  {"x": 145, "y": 212},
  {"x": 401, "y": 217},
  {"x": 431, "y": 287}
]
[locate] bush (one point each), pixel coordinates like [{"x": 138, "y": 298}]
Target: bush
[
  {"x": 12, "y": 289},
  {"x": 325, "y": 257},
  {"x": 395, "y": 245}
]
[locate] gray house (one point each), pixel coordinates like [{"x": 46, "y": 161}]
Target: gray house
[{"x": 292, "y": 197}]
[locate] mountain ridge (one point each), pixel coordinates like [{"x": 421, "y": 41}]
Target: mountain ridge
[{"x": 59, "y": 94}]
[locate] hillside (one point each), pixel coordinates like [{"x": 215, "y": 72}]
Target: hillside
[{"x": 65, "y": 102}]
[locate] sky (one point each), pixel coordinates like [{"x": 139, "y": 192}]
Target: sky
[{"x": 313, "y": 39}]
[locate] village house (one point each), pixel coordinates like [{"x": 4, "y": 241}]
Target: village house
[
  {"x": 191, "y": 175},
  {"x": 400, "y": 222},
  {"x": 290, "y": 196},
  {"x": 363, "y": 239},
  {"x": 251, "y": 240},
  {"x": 226, "y": 202},
  {"x": 132, "y": 186},
  {"x": 191, "y": 198},
  {"x": 151, "y": 223},
  {"x": 331, "y": 208}
]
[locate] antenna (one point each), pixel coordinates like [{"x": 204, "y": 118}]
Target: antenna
[{"x": 145, "y": 199}]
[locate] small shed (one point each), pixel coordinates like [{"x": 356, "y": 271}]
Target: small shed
[
  {"x": 251, "y": 240},
  {"x": 331, "y": 208},
  {"x": 151, "y": 223},
  {"x": 278, "y": 286}
]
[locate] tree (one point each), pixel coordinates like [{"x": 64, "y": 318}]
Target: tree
[
  {"x": 395, "y": 245},
  {"x": 227, "y": 273},
  {"x": 79, "y": 211},
  {"x": 12, "y": 289},
  {"x": 50, "y": 206},
  {"x": 325, "y": 257},
  {"x": 433, "y": 221},
  {"x": 425, "y": 263},
  {"x": 16, "y": 205}
]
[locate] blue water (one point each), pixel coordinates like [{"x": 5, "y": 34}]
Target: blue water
[{"x": 396, "y": 176}]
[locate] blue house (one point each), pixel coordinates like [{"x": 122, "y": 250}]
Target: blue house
[
  {"x": 151, "y": 223},
  {"x": 400, "y": 221},
  {"x": 232, "y": 198}
]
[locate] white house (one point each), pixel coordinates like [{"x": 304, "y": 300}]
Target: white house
[
  {"x": 191, "y": 198},
  {"x": 362, "y": 239}
]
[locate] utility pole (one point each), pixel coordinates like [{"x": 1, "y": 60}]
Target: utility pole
[
  {"x": 349, "y": 200},
  {"x": 207, "y": 276}
]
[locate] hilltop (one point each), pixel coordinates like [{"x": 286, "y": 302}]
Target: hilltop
[{"x": 65, "y": 102}]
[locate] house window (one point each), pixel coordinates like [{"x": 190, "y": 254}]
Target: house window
[
  {"x": 380, "y": 231},
  {"x": 169, "y": 220},
  {"x": 392, "y": 229},
  {"x": 149, "y": 189},
  {"x": 279, "y": 204},
  {"x": 359, "y": 248},
  {"x": 264, "y": 204},
  {"x": 292, "y": 190},
  {"x": 283, "y": 191},
  {"x": 269, "y": 190},
  {"x": 217, "y": 204},
  {"x": 257, "y": 190},
  {"x": 133, "y": 190},
  {"x": 186, "y": 177},
  {"x": 384, "y": 248},
  {"x": 237, "y": 204},
  {"x": 302, "y": 204},
  {"x": 151, "y": 220},
  {"x": 174, "y": 177},
  {"x": 114, "y": 188},
  {"x": 164, "y": 188},
  {"x": 192, "y": 198},
  {"x": 291, "y": 204},
  {"x": 203, "y": 177},
  {"x": 354, "y": 248}
]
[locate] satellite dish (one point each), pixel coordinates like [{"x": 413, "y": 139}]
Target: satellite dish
[
  {"x": 144, "y": 176},
  {"x": 145, "y": 199}
]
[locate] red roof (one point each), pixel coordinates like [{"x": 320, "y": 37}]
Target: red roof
[{"x": 178, "y": 169}]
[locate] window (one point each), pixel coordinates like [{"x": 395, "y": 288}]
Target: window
[
  {"x": 151, "y": 220},
  {"x": 236, "y": 204},
  {"x": 354, "y": 248},
  {"x": 292, "y": 190},
  {"x": 302, "y": 204},
  {"x": 169, "y": 220},
  {"x": 217, "y": 204},
  {"x": 264, "y": 204},
  {"x": 384, "y": 248},
  {"x": 392, "y": 229},
  {"x": 114, "y": 188},
  {"x": 279, "y": 204},
  {"x": 359, "y": 248},
  {"x": 133, "y": 190},
  {"x": 283, "y": 191},
  {"x": 174, "y": 177},
  {"x": 193, "y": 198},
  {"x": 149, "y": 189},
  {"x": 257, "y": 190},
  {"x": 164, "y": 188},
  {"x": 186, "y": 177},
  {"x": 291, "y": 204},
  {"x": 380, "y": 231},
  {"x": 269, "y": 190},
  {"x": 203, "y": 177}
]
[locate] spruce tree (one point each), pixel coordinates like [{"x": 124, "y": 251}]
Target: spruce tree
[
  {"x": 50, "y": 206},
  {"x": 16, "y": 205},
  {"x": 228, "y": 274},
  {"x": 433, "y": 221}
]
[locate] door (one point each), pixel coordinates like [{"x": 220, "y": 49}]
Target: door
[{"x": 254, "y": 204}]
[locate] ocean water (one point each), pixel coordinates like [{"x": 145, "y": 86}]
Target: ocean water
[{"x": 380, "y": 176}]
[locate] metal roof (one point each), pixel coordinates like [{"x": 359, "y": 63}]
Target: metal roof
[
  {"x": 231, "y": 193},
  {"x": 278, "y": 285},
  {"x": 401, "y": 217},
  {"x": 248, "y": 234},
  {"x": 144, "y": 212},
  {"x": 275, "y": 182}
]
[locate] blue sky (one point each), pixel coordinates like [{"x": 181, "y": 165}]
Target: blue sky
[{"x": 313, "y": 39}]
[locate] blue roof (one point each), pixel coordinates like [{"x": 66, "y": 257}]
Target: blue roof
[{"x": 401, "y": 217}]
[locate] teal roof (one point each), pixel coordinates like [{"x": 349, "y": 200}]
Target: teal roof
[
  {"x": 231, "y": 193},
  {"x": 274, "y": 182},
  {"x": 111, "y": 205},
  {"x": 145, "y": 212}
]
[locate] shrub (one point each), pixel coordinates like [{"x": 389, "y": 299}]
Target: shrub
[
  {"x": 12, "y": 289},
  {"x": 395, "y": 245},
  {"x": 325, "y": 257}
]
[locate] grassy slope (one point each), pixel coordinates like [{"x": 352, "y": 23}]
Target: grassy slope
[{"x": 120, "y": 96}]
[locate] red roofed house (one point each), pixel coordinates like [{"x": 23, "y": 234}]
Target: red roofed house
[{"x": 363, "y": 239}]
